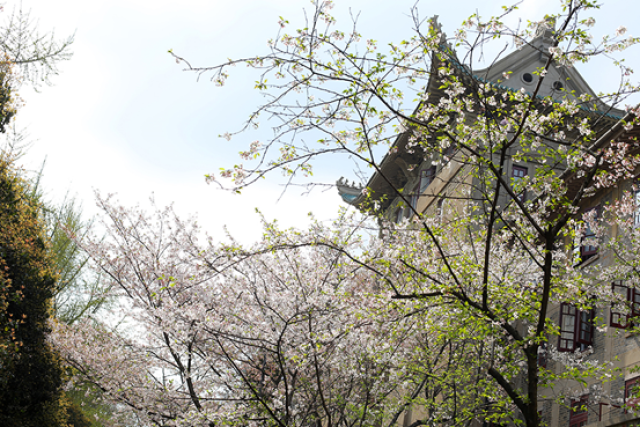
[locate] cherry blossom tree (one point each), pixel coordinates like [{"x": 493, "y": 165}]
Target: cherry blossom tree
[
  {"x": 454, "y": 310},
  {"x": 281, "y": 333}
]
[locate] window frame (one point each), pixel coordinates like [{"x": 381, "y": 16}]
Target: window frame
[
  {"x": 440, "y": 209},
  {"x": 567, "y": 342},
  {"x": 579, "y": 412},
  {"x": 399, "y": 214},
  {"x": 578, "y": 333},
  {"x": 633, "y": 299},
  {"x": 628, "y": 388},
  {"x": 542, "y": 355},
  {"x": 584, "y": 328},
  {"x": 415, "y": 195},
  {"x": 635, "y": 194},
  {"x": 636, "y": 202},
  {"x": 589, "y": 251},
  {"x": 525, "y": 172},
  {"x": 426, "y": 178},
  {"x": 581, "y": 251}
]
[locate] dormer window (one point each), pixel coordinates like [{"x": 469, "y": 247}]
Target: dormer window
[{"x": 527, "y": 78}]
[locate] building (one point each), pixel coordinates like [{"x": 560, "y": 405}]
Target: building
[{"x": 438, "y": 184}]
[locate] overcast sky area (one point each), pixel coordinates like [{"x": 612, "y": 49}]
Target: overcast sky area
[{"x": 124, "y": 118}]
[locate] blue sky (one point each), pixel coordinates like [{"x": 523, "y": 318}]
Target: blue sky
[{"x": 122, "y": 117}]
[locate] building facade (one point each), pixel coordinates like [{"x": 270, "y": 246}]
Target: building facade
[{"x": 439, "y": 184}]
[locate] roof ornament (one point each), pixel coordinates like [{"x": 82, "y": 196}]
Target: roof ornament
[
  {"x": 545, "y": 33},
  {"x": 349, "y": 191},
  {"x": 437, "y": 27},
  {"x": 435, "y": 24}
]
